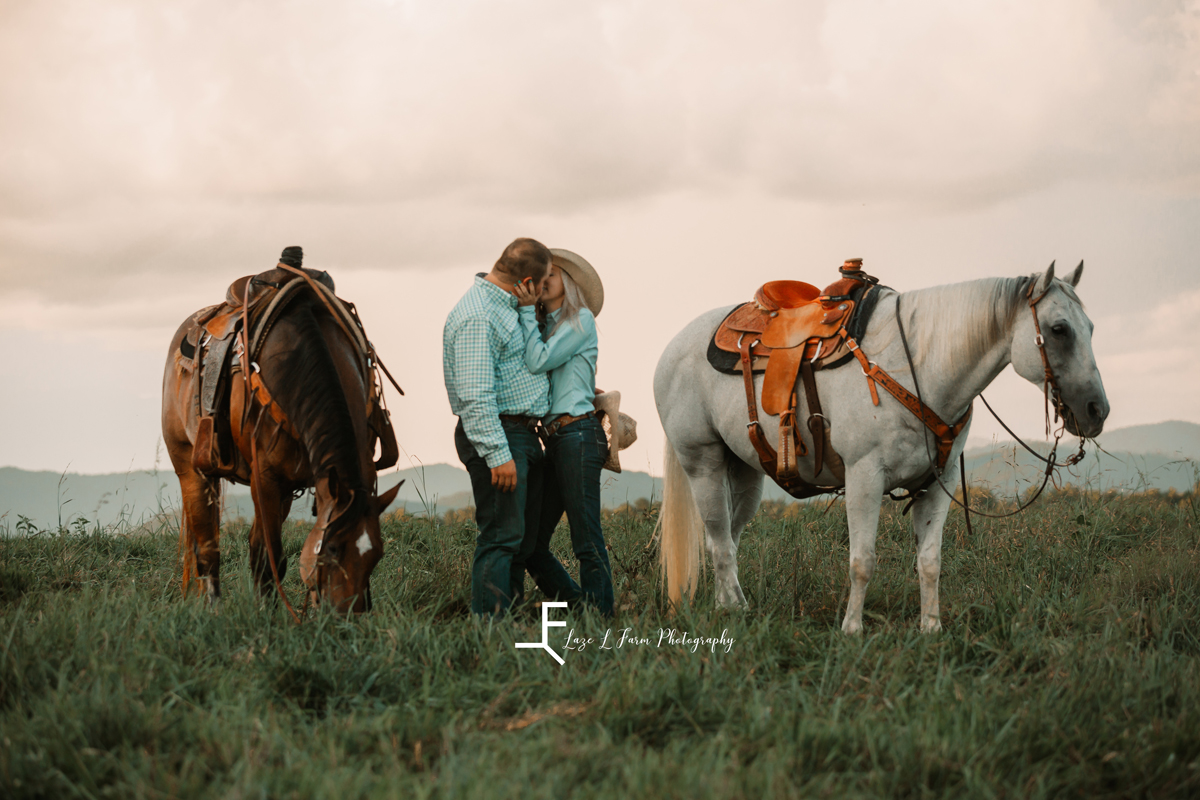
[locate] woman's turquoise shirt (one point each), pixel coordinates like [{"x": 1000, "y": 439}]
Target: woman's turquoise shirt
[{"x": 570, "y": 358}]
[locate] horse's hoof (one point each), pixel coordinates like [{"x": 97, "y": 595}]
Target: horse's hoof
[
  {"x": 732, "y": 600},
  {"x": 931, "y": 626},
  {"x": 852, "y": 628},
  {"x": 212, "y": 590}
]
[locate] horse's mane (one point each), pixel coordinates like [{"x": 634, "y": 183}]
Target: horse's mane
[
  {"x": 305, "y": 383},
  {"x": 979, "y": 312}
]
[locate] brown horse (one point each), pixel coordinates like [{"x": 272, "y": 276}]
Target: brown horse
[{"x": 296, "y": 405}]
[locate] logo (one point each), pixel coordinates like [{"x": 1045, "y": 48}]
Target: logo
[
  {"x": 625, "y": 639},
  {"x": 547, "y": 624}
]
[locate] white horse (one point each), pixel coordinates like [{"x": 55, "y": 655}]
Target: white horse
[{"x": 961, "y": 335}]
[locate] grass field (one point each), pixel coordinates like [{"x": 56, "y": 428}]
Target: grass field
[{"x": 1069, "y": 666}]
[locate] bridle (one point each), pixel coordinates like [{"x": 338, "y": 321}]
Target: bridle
[
  {"x": 1050, "y": 388},
  {"x": 1050, "y": 391}
]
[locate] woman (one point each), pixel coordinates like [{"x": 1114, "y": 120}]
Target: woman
[{"x": 576, "y": 447}]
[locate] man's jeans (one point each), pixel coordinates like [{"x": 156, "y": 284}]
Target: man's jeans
[
  {"x": 504, "y": 518},
  {"x": 575, "y": 455}
]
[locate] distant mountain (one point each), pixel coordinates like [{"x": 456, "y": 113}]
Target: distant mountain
[
  {"x": 47, "y": 498},
  {"x": 1176, "y": 439},
  {"x": 1163, "y": 456},
  {"x": 1009, "y": 470},
  {"x": 1139, "y": 457}
]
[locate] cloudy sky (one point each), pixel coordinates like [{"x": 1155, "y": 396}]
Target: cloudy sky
[{"x": 152, "y": 152}]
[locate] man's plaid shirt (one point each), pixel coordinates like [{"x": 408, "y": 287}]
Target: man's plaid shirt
[{"x": 483, "y": 363}]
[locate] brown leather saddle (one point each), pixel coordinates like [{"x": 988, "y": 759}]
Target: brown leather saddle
[
  {"x": 790, "y": 331},
  {"x": 216, "y": 348}
]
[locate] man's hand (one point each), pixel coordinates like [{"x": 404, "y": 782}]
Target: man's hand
[
  {"x": 504, "y": 477},
  {"x": 526, "y": 292}
]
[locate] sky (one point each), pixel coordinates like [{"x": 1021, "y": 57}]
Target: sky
[{"x": 151, "y": 153}]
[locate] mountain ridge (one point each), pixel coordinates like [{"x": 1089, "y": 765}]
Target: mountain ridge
[{"x": 1153, "y": 456}]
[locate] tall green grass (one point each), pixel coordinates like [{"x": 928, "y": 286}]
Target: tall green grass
[{"x": 1068, "y": 666}]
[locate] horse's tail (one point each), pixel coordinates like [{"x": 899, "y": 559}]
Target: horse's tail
[{"x": 681, "y": 545}]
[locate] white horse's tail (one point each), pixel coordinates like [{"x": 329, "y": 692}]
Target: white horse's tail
[{"x": 681, "y": 543}]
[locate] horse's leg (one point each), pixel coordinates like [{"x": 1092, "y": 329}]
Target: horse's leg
[
  {"x": 929, "y": 517},
  {"x": 864, "y": 496},
  {"x": 202, "y": 516},
  {"x": 271, "y": 507},
  {"x": 746, "y": 489},
  {"x": 707, "y": 470}
]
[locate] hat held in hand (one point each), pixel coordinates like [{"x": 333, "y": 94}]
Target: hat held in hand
[{"x": 620, "y": 429}]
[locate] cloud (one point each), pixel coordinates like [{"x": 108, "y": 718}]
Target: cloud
[{"x": 178, "y": 138}]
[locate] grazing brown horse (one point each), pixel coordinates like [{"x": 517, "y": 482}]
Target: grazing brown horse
[{"x": 291, "y": 401}]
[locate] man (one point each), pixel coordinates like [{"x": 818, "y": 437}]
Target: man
[{"x": 499, "y": 404}]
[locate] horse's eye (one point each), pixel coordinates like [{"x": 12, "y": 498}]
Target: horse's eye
[{"x": 1060, "y": 329}]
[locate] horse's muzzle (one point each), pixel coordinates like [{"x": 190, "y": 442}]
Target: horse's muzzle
[{"x": 1090, "y": 423}]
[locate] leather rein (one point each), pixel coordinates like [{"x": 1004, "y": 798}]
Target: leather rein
[{"x": 1050, "y": 391}]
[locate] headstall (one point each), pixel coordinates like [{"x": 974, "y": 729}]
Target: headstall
[{"x": 1051, "y": 393}]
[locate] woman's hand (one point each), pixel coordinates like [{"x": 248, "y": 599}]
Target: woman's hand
[{"x": 526, "y": 292}]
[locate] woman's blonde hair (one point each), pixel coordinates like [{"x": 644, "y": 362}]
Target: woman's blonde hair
[{"x": 572, "y": 302}]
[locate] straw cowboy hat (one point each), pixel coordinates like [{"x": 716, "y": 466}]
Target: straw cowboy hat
[
  {"x": 621, "y": 429},
  {"x": 584, "y": 275}
]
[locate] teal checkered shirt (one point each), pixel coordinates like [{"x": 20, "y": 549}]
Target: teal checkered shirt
[{"x": 483, "y": 363}]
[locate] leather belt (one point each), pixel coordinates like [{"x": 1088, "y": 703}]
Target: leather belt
[
  {"x": 532, "y": 424},
  {"x": 564, "y": 420}
]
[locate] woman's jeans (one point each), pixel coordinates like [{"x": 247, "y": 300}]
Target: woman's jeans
[{"x": 575, "y": 454}]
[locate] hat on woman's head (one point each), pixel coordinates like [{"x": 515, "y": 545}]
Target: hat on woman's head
[
  {"x": 620, "y": 429},
  {"x": 584, "y": 275}
]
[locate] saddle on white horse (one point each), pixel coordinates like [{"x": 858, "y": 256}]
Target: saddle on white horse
[{"x": 790, "y": 331}]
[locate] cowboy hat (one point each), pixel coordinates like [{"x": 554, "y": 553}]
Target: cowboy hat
[
  {"x": 620, "y": 429},
  {"x": 584, "y": 275}
]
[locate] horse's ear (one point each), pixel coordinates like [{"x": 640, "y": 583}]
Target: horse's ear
[
  {"x": 334, "y": 485},
  {"x": 1074, "y": 277},
  {"x": 1043, "y": 281},
  {"x": 342, "y": 495},
  {"x": 387, "y": 497}
]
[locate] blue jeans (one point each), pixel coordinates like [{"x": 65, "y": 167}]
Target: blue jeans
[
  {"x": 575, "y": 455},
  {"x": 505, "y": 519}
]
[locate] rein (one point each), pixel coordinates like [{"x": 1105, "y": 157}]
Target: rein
[
  {"x": 251, "y": 376},
  {"x": 1049, "y": 389},
  {"x": 336, "y": 308}
]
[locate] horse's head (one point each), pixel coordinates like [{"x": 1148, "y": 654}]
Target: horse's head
[
  {"x": 1060, "y": 341},
  {"x": 344, "y": 546}
]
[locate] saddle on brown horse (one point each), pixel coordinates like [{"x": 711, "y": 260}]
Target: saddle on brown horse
[
  {"x": 790, "y": 331},
  {"x": 214, "y": 350}
]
